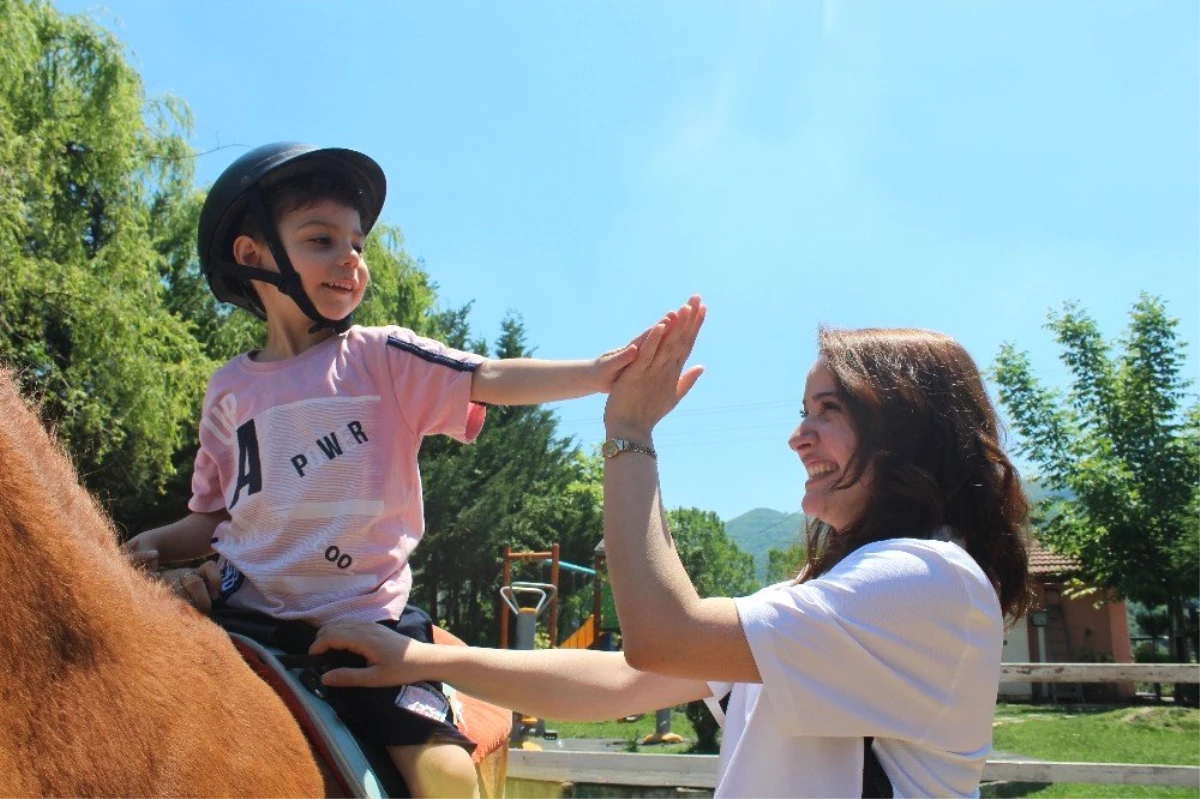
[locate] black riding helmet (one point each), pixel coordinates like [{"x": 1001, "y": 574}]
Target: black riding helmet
[{"x": 239, "y": 191}]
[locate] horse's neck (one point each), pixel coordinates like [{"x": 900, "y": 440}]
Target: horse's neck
[{"x": 58, "y": 558}]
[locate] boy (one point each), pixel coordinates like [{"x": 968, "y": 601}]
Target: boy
[{"x": 306, "y": 482}]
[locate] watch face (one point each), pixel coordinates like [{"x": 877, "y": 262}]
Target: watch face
[{"x": 609, "y": 448}]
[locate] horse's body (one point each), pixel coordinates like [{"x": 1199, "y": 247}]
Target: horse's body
[{"x": 109, "y": 685}]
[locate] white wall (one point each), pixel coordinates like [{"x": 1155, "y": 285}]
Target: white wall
[{"x": 1016, "y": 650}]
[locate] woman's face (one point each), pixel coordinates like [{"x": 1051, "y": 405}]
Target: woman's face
[{"x": 826, "y": 442}]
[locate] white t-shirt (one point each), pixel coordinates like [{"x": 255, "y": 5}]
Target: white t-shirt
[{"x": 900, "y": 641}]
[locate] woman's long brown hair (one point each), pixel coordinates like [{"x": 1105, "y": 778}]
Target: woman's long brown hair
[{"x": 929, "y": 435}]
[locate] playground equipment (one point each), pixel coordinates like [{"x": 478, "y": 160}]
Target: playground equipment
[
  {"x": 662, "y": 729},
  {"x": 588, "y": 635},
  {"x": 596, "y": 632},
  {"x": 592, "y": 634},
  {"x": 527, "y": 601},
  {"x": 509, "y": 558}
]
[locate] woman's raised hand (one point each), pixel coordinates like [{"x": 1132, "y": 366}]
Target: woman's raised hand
[{"x": 655, "y": 382}]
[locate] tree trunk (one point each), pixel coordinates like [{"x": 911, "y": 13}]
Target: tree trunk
[{"x": 1187, "y": 694}]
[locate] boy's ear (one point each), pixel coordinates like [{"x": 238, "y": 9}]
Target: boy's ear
[{"x": 247, "y": 251}]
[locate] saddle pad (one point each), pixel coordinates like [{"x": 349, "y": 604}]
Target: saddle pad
[{"x": 347, "y": 768}]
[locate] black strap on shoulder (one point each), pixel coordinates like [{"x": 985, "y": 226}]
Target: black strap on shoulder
[{"x": 875, "y": 782}]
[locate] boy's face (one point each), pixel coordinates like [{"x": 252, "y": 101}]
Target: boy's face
[{"x": 324, "y": 242}]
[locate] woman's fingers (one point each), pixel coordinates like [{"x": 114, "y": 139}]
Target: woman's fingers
[
  {"x": 688, "y": 380},
  {"x": 677, "y": 344},
  {"x": 649, "y": 348},
  {"x": 378, "y": 645},
  {"x": 344, "y": 635},
  {"x": 371, "y": 676}
]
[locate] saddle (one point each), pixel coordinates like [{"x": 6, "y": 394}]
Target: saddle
[{"x": 352, "y": 768}]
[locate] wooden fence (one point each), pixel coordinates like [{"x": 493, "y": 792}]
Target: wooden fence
[{"x": 700, "y": 771}]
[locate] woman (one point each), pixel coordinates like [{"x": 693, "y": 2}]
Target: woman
[{"x": 892, "y": 631}]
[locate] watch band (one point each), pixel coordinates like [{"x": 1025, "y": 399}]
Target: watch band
[{"x": 615, "y": 446}]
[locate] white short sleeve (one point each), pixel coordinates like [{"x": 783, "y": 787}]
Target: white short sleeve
[{"x": 892, "y": 643}]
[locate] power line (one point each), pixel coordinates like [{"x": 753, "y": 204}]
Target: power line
[
  {"x": 672, "y": 431},
  {"x": 780, "y": 404}
]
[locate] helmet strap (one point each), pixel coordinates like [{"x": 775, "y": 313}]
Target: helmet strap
[{"x": 287, "y": 280}]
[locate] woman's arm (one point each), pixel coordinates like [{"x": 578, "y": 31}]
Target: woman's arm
[
  {"x": 666, "y": 627},
  {"x": 564, "y": 684}
]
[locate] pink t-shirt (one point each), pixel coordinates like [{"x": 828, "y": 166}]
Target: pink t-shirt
[{"x": 315, "y": 458}]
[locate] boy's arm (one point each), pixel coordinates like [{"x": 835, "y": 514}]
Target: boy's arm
[
  {"x": 532, "y": 381},
  {"x": 564, "y": 684},
  {"x": 187, "y": 539}
]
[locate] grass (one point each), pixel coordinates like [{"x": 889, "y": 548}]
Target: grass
[
  {"x": 1135, "y": 734},
  {"x": 630, "y": 733}
]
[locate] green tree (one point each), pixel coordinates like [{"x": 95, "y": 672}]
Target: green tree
[
  {"x": 784, "y": 564},
  {"x": 717, "y": 568},
  {"x": 519, "y": 485},
  {"x": 714, "y": 562},
  {"x": 86, "y": 166},
  {"x": 1120, "y": 452}
]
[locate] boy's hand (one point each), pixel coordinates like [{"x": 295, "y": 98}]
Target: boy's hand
[
  {"x": 608, "y": 366},
  {"x": 392, "y": 658},
  {"x": 198, "y": 587},
  {"x": 650, "y": 387},
  {"x": 611, "y": 364},
  {"x": 140, "y": 554}
]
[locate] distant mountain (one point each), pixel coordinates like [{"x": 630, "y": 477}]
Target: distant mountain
[{"x": 762, "y": 529}]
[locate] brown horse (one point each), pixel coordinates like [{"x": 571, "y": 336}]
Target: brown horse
[{"x": 109, "y": 685}]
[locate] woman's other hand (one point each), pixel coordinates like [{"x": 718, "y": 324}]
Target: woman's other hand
[{"x": 391, "y": 657}]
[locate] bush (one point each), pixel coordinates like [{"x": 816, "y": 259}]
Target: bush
[
  {"x": 1148, "y": 652},
  {"x": 705, "y": 725}
]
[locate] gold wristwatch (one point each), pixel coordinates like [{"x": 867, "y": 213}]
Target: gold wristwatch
[{"x": 615, "y": 446}]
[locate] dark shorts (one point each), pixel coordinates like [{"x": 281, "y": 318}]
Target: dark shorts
[{"x": 404, "y": 715}]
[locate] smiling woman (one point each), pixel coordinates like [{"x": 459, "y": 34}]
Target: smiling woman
[{"x": 923, "y": 444}]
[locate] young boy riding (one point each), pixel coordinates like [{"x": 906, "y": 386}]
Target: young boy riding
[{"x": 306, "y": 483}]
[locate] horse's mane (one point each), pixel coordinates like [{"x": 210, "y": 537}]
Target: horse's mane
[{"x": 110, "y": 685}]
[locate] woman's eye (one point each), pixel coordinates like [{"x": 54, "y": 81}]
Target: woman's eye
[
  {"x": 803, "y": 413},
  {"x": 830, "y": 407},
  {"x": 321, "y": 240},
  {"x": 358, "y": 248}
]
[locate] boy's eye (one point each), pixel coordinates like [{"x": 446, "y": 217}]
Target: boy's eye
[
  {"x": 322, "y": 240},
  {"x": 358, "y": 248}
]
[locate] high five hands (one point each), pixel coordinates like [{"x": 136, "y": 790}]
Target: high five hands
[{"x": 654, "y": 383}]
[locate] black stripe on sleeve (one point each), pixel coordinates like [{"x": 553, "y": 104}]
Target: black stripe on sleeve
[{"x": 433, "y": 357}]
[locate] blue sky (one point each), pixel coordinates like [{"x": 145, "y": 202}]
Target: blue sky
[{"x": 960, "y": 166}]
